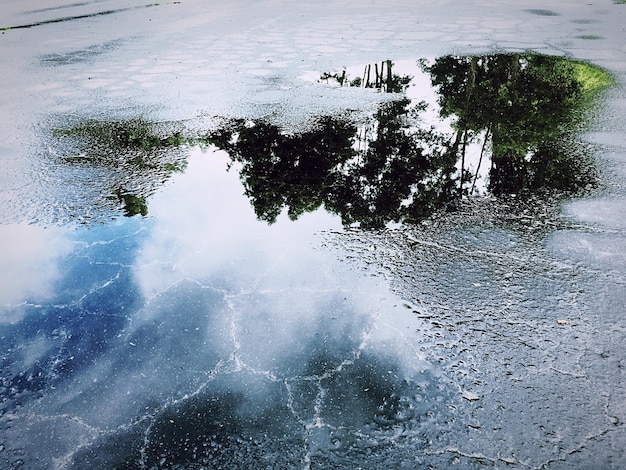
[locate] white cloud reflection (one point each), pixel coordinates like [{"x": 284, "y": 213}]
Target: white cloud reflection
[
  {"x": 28, "y": 257},
  {"x": 282, "y": 290},
  {"x": 227, "y": 306},
  {"x": 204, "y": 224}
]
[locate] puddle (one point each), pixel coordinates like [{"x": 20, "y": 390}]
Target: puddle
[
  {"x": 450, "y": 128},
  {"x": 366, "y": 266},
  {"x": 180, "y": 304}
]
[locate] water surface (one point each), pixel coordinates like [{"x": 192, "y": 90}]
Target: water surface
[{"x": 152, "y": 316}]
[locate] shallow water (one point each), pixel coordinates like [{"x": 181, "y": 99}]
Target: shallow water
[{"x": 201, "y": 337}]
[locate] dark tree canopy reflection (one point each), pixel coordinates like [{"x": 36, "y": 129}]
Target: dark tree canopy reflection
[
  {"x": 366, "y": 174},
  {"x": 523, "y": 102},
  {"x": 522, "y": 110},
  {"x": 525, "y": 108},
  {"x": 280, "y": 170}
]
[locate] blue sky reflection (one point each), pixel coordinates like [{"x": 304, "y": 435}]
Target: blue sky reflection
[{"x": 201, "y": 306}]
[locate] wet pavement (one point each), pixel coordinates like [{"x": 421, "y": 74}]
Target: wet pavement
[{"x": 201, "y": 337}]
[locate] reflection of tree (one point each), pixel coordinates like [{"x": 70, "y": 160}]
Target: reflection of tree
[
  {"x": 524, "y": 108},
  {"x": 562, "y": 165},
  {"x": 135, "y": 156},
  {"x": 280, "y": 170},
  {"x": 401, "y": 171},
  {"x": 524, "y": 105},
  {"x": 522, "y": 102},
  {"x": 133, "y": 204},
  {"x": 388, "y": 177},
  {"x": 380, "y": 77}
]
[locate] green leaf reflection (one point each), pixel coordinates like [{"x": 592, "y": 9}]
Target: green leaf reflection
[
  {"x": 524, "y": 111},
  {"x": 367, "y": 174},
  {"x": 136, "y": 155}
]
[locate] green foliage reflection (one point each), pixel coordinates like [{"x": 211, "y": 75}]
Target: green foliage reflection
[
  {"x": 134, "y": 153},
  {"x": 369, "y": 174},
  {"x": 523, "y": 109},
  {"x": 522, "y": 103}
]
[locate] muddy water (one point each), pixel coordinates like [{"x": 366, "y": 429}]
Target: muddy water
[{"x": 198, "y": 336}]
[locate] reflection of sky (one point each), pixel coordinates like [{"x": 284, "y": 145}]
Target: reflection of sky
[
  {"x": 422, "y": 90},
  {"x": 203, "y": 224},
  {"x": 147, "y": 319},
  {"x": 28, "y": 256},
  {"x": 280, "y": 288}
]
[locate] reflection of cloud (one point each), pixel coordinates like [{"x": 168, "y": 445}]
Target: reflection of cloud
[
  {"x": 243, "y": 333},
  {"x": 281, "y": 289},
  {"x": 28, "y": 256},
  {"x": 275, "y": 288},
  {"x": 205, "y": 224}
]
